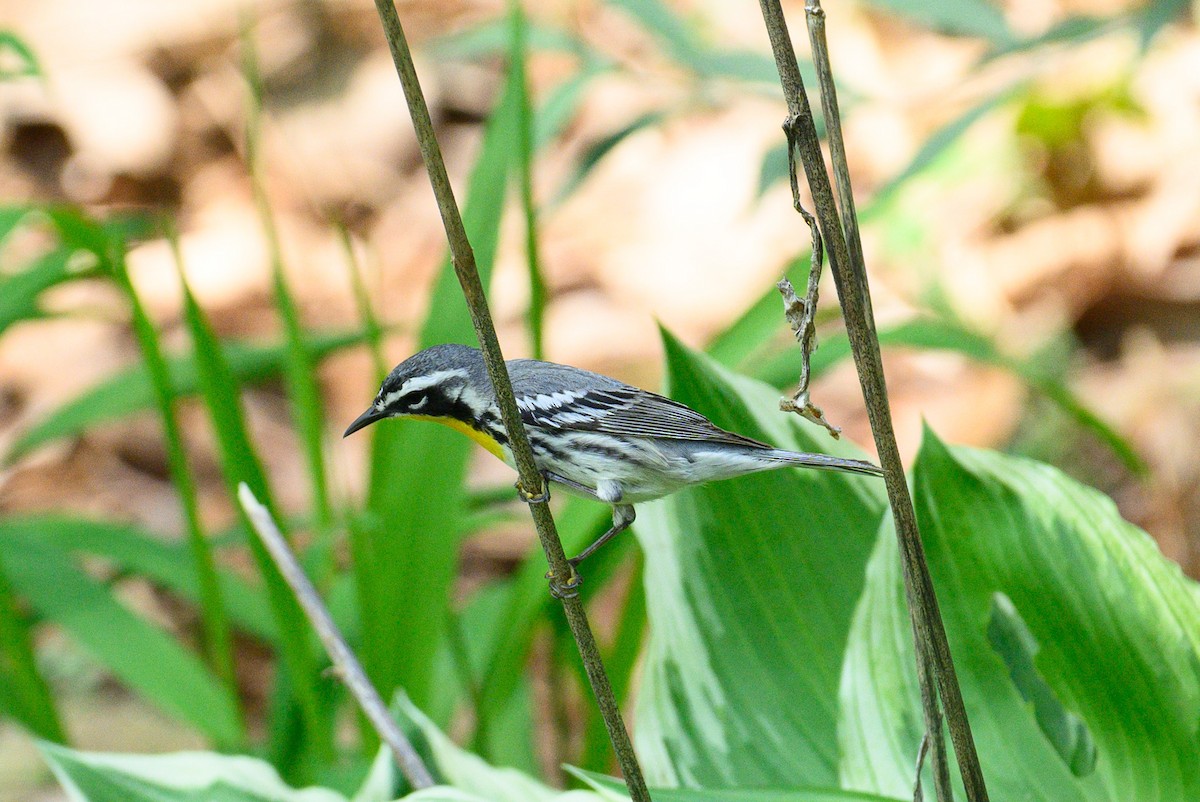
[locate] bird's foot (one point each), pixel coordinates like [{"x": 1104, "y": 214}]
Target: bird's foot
[
  {"x": 565, "y": 590},
  {"x": 533, "y": 498}
]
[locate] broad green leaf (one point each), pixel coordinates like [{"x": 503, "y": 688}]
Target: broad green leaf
[
  {"x": 750, "y": 587},
  {"x": 609, "y": 785},
  {"x": 180, "y": 777},
  {"x": 131, "y": 390},
  {"x": 149, "y": 556},
  {"x": 467, "y": 772},
  {"x": 138, "y": 653},
  {"x": 1077, "y": 644},
  {"x": 405, "y": 545},
  {"x": 957, "y": 17}
]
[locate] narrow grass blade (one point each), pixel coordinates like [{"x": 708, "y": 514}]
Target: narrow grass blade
[
  {"x": 131, "y": 390},
  {"x": 304, "y": 395},
  {"x": 240, "y": 463},
  {"x": 141, "y": 655},
  {"x": 366, "y": 309},
  {"x": 134, "y": 550},
  {"x": 17, "y": 58},
  {"x": 217, "y": 640},
  {"x": 524, "y": 168},
  {"x": 24, "y": 694}
]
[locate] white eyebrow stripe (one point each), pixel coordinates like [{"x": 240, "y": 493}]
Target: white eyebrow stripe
[{"x": 422, "y": 382}]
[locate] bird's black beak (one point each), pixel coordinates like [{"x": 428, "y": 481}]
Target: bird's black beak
[{"x": 364, "y": 420}]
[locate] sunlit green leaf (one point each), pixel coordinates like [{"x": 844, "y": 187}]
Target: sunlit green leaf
[
  {"x": 1106, "y": 646},
  {"x": 180, "y": 777},
  {"x": 750, "y": 586}
]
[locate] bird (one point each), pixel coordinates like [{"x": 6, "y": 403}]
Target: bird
[{"x": 591, "y": 435}]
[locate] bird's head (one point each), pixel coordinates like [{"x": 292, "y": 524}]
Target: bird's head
[{"x": 445, "y": 381}]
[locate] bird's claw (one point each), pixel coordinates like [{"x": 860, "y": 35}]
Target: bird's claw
[
  {"x": 531, "y": 498},
  {"x": 565, "y": 590}
]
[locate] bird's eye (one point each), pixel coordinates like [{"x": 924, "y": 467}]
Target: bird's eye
[{"x": 415, "y": 400}]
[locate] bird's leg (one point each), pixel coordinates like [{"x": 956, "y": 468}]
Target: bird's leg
[
  {"x": 570, "y": 588},
  {"x": 623, "y": 515}
]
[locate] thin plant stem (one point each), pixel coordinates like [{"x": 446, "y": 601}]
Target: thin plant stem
[
  {"x": 531, "y": 483},
  {"x": 935, "y": 668},
  {"x": 348, "y": 669}
]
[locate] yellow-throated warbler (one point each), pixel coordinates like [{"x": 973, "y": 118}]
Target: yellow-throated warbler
[{"x": 593, "y": 435}]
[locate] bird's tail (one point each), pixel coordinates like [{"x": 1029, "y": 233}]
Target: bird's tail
[{"x": 822, "y": 462}]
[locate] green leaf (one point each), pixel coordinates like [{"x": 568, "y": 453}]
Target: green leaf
[
  {"x": 149, "y": 556},
  {"x": 492, "y": 38},
  {"x": 20, "y": 292},
  {"x": 24, "y": 694},
  {"x": 17, "y": 59},
  {"x": 761, "y": 325},
  {"x": 218, "y": 641},
  {"x": 141, "y": 655},
  {"x": 1067, "y": 626},
  {"x": 240, "y": 463},
  {"x": 688, "y": 49},
  {"x": 750, "y": 587},
  {"x": 466, "y": 772},
  {"x": 937, "y": 144},
  {"x": 978, "y": 18},
  {"x": 601, "y": 148},
  {"x": 609, "y": 784},
  {"x": 579, "y": 522},
  {"x": 181, "y": 777},
  {"x": 131, "y": 390}
]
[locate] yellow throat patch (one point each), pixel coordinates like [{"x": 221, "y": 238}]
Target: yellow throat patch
[{"x": 488, "y": 442}]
